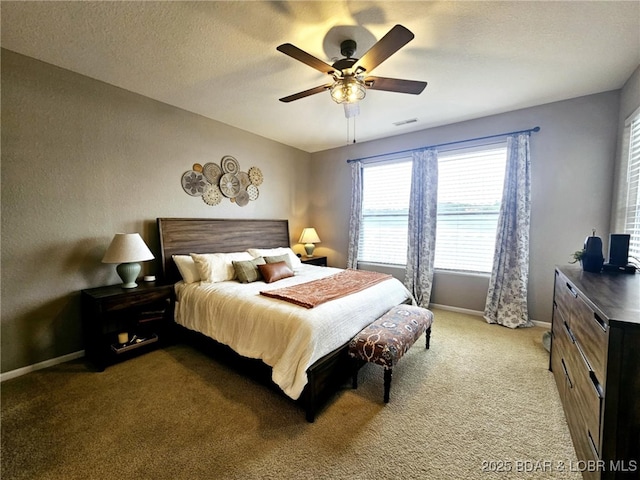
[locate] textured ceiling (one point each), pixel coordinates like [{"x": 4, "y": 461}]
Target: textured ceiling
[{"x": 219, "y": 59}]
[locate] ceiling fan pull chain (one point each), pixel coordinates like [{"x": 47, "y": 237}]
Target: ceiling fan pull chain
[{"x": 354, "y": 129}]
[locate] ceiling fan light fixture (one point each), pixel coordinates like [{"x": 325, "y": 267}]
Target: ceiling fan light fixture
[{"x": 350, "y": 89}]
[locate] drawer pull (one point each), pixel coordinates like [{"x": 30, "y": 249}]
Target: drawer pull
[
  {"x": 592, "y": 444},
  {"x": 596, "y": 384},
  {"x": 573, "y": 292},
  {"x": 569, "y": 332},
  {"x": 601, "y": 322},
  {"x": 566, "y": 373}
]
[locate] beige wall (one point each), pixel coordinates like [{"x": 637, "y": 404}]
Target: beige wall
[
  {"x": 572, "y": 174},
  {"x": 82, "y": 160}
]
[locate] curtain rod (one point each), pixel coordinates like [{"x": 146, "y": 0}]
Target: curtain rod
[{"x": 535, "y": 129}]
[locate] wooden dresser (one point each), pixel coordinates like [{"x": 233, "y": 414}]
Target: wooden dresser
[{"x": 595, "y": 359}]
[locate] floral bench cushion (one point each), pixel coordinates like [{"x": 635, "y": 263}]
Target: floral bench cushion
[{"x": 387, "y": 339}]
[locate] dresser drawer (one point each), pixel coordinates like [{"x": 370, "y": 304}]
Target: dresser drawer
[
  {"x": 561, "y": 343},
  {"x": 592, "y": 335},
  {"x": 587, "y": 394},
  {"x": 562, "y": 335},
  {"x": 564, "y": 296}
]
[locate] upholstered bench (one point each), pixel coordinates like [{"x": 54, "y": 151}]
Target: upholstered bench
[{"x": 387, "y": 339}]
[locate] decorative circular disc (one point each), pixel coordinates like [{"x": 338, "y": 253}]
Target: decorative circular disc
[
  {"x": 197, "y": 168},
  {"x": 212, "y": 195},
  {"x": 229, "y": 185},
  {"x": 212, "y": 172},
  {"x": 242, "y": 198},
  {"x": 193, "y": 183},
  {"x": 253, "y": 192},
  {"x": 230, "y": 164},
  {"x": 256, "y": 176},
  {"x": 245, "y": 181}
]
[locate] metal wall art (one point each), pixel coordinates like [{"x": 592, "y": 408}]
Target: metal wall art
[{"x": 213, "y": 182}]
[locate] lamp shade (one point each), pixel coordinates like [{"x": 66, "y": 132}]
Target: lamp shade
[
  {"x": 309, "y": 235},
  {"x": 127, "y": 248}
]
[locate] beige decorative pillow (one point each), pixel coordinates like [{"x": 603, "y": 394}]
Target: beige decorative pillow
[
  {"x": 272, "y": 252},
  {"x": 187, "y": 268},
  {"x": 218, "y": 267},
  {"x": 279, "y": 258},
  {"x": 272, "y": 272},
  {"x": 247, "y": 270}
]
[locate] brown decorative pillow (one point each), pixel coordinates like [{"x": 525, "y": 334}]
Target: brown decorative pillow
[{"x": 275, "y": 271}]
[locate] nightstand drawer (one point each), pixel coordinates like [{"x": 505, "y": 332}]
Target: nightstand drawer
[
  {"x": 133, "y": 299},
  {"x": 318, "y": 261}
]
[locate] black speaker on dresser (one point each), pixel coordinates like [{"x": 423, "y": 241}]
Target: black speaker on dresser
[
  {"x": 619, "y": 249},
  {"x": 619, "y": 254}
]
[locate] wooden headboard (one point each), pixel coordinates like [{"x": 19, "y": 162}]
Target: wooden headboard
[{"x": 182, "y": 236}]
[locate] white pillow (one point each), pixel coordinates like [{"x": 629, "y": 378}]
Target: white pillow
[
  {"x": 218, "y": 267},
  {"x": 273, "y": 252},
  {"x": 187, "y": 268}
]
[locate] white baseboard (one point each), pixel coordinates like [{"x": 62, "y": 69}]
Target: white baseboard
[
  {"x": 457, "y": 309},
  {"x": 536, "y": 323},
  {"x": 39, "y": 366}
]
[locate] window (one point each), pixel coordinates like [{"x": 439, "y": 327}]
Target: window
[
  {"x": 631, "y": 213},
  {"x": 470, "y": 185},
  {"x": 385, "y": 212}
]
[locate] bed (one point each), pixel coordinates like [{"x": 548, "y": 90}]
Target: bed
[{"x": 304, "y": 349}]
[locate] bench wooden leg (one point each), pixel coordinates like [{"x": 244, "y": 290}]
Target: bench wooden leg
[
  {"x": 387, "y": 384},
  {"x": 427, "y": 336},
  {"x": 356, "y": 364}
]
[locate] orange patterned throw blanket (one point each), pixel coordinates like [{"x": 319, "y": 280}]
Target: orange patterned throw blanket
[{"x": 312, "y": 294}]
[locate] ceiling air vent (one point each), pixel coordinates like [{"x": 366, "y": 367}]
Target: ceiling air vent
[{"x": 404, "y": 122}]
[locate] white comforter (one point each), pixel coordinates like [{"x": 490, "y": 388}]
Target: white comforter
[{"x": 287, "y": 337}]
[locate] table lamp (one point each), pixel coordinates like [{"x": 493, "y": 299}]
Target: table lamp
[
  {"x": 309, "y": 237},
  {"x": 127, "y": 249}
]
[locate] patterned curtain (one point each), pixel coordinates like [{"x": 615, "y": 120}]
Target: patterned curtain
[
  {"x": 423, "y": 211},
  {"x": 355, "y": 218},
  {"x": 507, "y": 296}
]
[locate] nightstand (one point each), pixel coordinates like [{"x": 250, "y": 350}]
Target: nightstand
[
  {"x": 145, "y": 311},
  {"x": 319, "y": 261}
]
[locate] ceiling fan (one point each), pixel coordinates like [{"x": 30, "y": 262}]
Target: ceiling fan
[{"x": 351, "y": 76}]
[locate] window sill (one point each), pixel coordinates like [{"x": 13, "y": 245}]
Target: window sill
[{"x": 390, "y": 266}]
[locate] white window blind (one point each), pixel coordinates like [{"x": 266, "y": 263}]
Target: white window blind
[
  {"x": 385, "y": 212},
  {"x": 632, "y": 207},
  {"x": 469, "y": 194}
]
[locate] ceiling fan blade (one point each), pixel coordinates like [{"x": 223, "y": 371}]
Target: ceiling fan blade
[
  {"x": 394, "y": 40},
  {"x": 395, "y": 85},
  {"x": 306, "y": 93},
  {"x": 304, "y": 57}
]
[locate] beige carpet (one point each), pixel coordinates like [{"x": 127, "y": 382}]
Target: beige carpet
[{"x": 473, "y": 406}]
